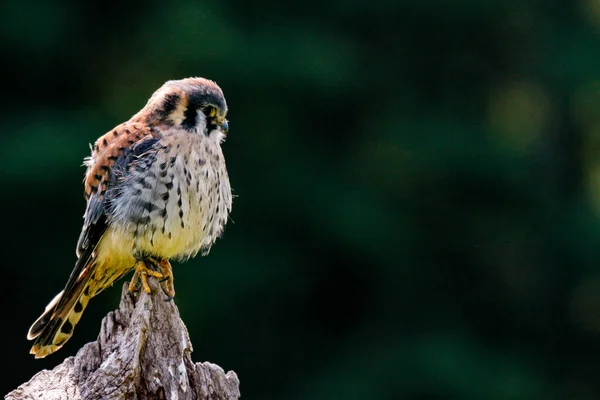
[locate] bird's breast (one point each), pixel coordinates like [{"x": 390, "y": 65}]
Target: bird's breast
[{"x": 175, "y": 200}]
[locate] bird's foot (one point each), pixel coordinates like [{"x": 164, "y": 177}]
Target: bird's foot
[
  {"x": 166, "y": 283},
  {"x": 149, "y": 267}
]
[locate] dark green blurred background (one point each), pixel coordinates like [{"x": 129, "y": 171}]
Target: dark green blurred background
[{"x": 418, "y": 187}]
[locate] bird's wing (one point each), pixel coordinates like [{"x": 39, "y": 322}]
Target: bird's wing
[{"x": 111, "y": 157}]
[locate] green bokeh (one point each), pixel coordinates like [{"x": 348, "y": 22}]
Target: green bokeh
[{"x": 417, "y": 210}]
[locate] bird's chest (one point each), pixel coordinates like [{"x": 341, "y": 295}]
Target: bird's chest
[{"x": 177, "y": 200}]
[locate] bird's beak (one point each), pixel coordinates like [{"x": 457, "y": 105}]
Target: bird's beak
[{"x": 225, "y": 126}]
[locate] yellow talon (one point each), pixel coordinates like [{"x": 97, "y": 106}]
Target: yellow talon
[
  {"x": 165, "y": 277},
  {"x": 141, "y": 274},
  {"x": 167, "y": 282}
]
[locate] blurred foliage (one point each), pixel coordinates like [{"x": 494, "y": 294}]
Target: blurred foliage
[{"x": 417, "y": 182}]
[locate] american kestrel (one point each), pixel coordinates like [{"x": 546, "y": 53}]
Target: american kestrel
[{"x": 157, "y": 189}]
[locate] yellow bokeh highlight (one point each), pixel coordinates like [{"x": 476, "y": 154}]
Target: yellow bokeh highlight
[
  {"x": 517, "y": 113},
  {"x": 585, "y": 110}
]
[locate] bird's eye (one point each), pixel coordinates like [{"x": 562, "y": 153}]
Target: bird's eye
[{"x": 209, "y": 111}]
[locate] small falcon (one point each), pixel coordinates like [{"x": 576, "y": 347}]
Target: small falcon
[{"x": 157, "y": 189}]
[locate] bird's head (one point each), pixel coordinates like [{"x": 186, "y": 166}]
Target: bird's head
[{"x": 194, "y": 104}]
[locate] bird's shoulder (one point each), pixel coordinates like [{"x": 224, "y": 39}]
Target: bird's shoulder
[{"x": 108, "y": 149}]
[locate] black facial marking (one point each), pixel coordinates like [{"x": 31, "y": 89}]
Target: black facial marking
[
  {"x": 211, "y": 125},
  {"x": 170, "y": 104},
  {"x": 201, "y": 99},
  {"x": 189, "y": 117}
]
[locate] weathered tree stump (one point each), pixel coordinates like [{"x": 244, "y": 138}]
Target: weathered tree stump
[{"x": 143, "y": 352}]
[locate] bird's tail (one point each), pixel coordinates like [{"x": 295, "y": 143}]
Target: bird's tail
[{"x": 55, "y": 326}]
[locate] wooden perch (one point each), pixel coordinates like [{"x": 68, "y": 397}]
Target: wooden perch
[{"x": 143, "y": 352}]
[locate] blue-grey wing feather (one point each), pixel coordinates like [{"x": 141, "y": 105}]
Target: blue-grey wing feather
[{"x": 95, "y": 219}]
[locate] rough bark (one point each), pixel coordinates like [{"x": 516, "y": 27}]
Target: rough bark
[{"x": 143, "y": 352}]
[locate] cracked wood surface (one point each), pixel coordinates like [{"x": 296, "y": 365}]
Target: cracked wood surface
[{"x": 143, "y": 352}]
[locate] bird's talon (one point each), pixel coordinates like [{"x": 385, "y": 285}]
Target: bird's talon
[
  {"x": 134, "y": 285},
  {"x": 144, "y": 279},
  {"x": 167, "y": 282},
  {"x": 141, "y": 276},
  {"x": 165, "y": 277}
]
